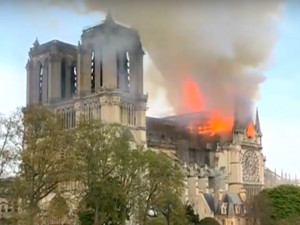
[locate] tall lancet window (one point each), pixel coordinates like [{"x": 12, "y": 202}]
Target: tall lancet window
[
  {"x": 127, "y": 69},
  {"x": 118, "y": 70},
  {"x": 73, "y": 79},
  {"x": 45, "y": 78},
  {"x": 41, "y": 71},
  {"x": 93, "y": 72},
  {"x": 101, "y": 69},
  {"x": 63, "y": 79}
]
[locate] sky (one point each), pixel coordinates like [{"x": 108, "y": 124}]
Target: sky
[{"x": 279, "y": 104}]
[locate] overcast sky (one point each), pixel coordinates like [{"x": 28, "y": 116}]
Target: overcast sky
[{"x": 279, "y": 105}]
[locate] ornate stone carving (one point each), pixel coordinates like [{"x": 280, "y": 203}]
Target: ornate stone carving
[
  {"x": 116, "y": 101},
  {"x": 77, "y": 106},
  {"x": 250, "y": 164},
  {"x": 110, "y": 100}
]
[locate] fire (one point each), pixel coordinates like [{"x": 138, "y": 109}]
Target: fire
[
  {"x": 250, "y": 130},
  {"x": 216, "y": 124},
  {"x": 220, "y": 123},
  {"x": 195, "y": 102},
  {"x": 192, "y": 97}
]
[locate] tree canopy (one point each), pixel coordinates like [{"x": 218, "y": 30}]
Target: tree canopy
[
  {"x": 94, "y": 172},
  {"x": 209, "y": 221},
  {"x": 42, "y": 147},
  {"x": 278, "y": 206},
  {"x": 122, "y": 180}
]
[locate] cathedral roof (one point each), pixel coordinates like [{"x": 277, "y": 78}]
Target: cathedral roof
[
  {"x": 56, "y": 45},
  {"x": 210, "y": 200},
  {"x": 231, "y": 200},
  {"x": 109, "y": 25}
]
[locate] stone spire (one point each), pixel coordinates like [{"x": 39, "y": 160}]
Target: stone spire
[
  {"x": 257, "y": 123},
  {"x": 36, "y": 43},
  {"x": 109, "y": 18}
]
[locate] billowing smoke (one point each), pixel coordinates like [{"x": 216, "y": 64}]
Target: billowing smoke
[{"x": 222, "y": 46}]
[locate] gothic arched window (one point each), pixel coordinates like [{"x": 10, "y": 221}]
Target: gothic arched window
[
  {"x": 41, "y": 71},
  {"x": 63, "y": 79},
  {"x": 101, "y": 69},
  {"x": 93, "y": 72},
  {"x": 73, "y": 79},
  {"x": 45, "y": 78},
  {"x": 127, "y": 69},
  {"x": 118, "y": 69}
]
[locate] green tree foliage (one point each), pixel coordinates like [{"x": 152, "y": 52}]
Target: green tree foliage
[
  {"x": 115, "y": 179},
  {"x": 9, "y": 136},
  {"x": 107, "y": 168},
  {"x": 209, "y": 221},
  {"x": 122, "y": 180},
  {"x": 278, "y": 206},
  {"x": 57, "y": 211},
  {"x": 193, "y": 218},
  {"x": 172, "y": 209},
  {"x": 43, "y": 145},
  {"x": 162, "y": 185}
]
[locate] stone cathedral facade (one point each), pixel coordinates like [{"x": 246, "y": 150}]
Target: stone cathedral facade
[{"x": 102, "y": 77}]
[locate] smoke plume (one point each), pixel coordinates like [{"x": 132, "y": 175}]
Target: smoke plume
[{"x": 222, "y": 46}]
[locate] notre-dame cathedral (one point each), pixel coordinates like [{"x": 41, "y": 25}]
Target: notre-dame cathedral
[{"x": 102, "y": 77}]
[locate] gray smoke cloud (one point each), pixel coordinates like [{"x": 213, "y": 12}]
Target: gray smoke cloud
[{"x": 222, "y": 45}]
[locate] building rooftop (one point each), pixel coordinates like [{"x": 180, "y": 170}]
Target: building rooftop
[
  {"x": 110, "y": 25},
  {"x": 54, "y": 45}
]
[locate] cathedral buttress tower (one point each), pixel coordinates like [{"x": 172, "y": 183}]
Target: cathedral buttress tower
[
  {"x": 246, "y": 157},
  {"x": 101, "y": 78},
  {"x": 111, "y": 67},
  {"x": 51, "y": 72}
]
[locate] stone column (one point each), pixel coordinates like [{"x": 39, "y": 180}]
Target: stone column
[
  {"x": 122, "y": 74},
  {"x": 35, "y": 88},
  {"x": 55, "y": 78},
  {"x": 30, "y": 80},
  {"x": 133, "y": 73},
  {"x": 84, "y": 77},
  {"x": 78, "y": 70},
  {"x": 78, "y": 108},
  {"x": 97, "y": 69},
  {"x": 136, "y": 72},
  {"x": 236, "y": 174},
  {"x": 140, "y": 72},
  {"x": 126, "y": 110},
  {"x": 45, "y": 81},
  {"x": 109, "y": 66}
]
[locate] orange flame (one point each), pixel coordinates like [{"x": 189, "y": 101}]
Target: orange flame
[
  {"x": 216, "y": 124},
  {"x": 220, "y": 123},
  {"x": 192, "y": 96},
  {"x": 195, "y": 102},
  {"x": 250, "y": 130}
]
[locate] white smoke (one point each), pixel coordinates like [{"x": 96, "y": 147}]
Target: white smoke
[{"x": 223, "y": 45}]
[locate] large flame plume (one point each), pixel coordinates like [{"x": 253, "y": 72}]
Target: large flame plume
[
  {"x": 195, "y": 101},
  {"x": 250, "y": 131},
  {"x": 224, "y": 46}
]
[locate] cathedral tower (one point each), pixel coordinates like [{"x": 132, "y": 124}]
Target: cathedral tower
[
  {"x": 100, "y": 78},
  {"x": 51, "y": 72},
  {"x": 247, "y": 160}
]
